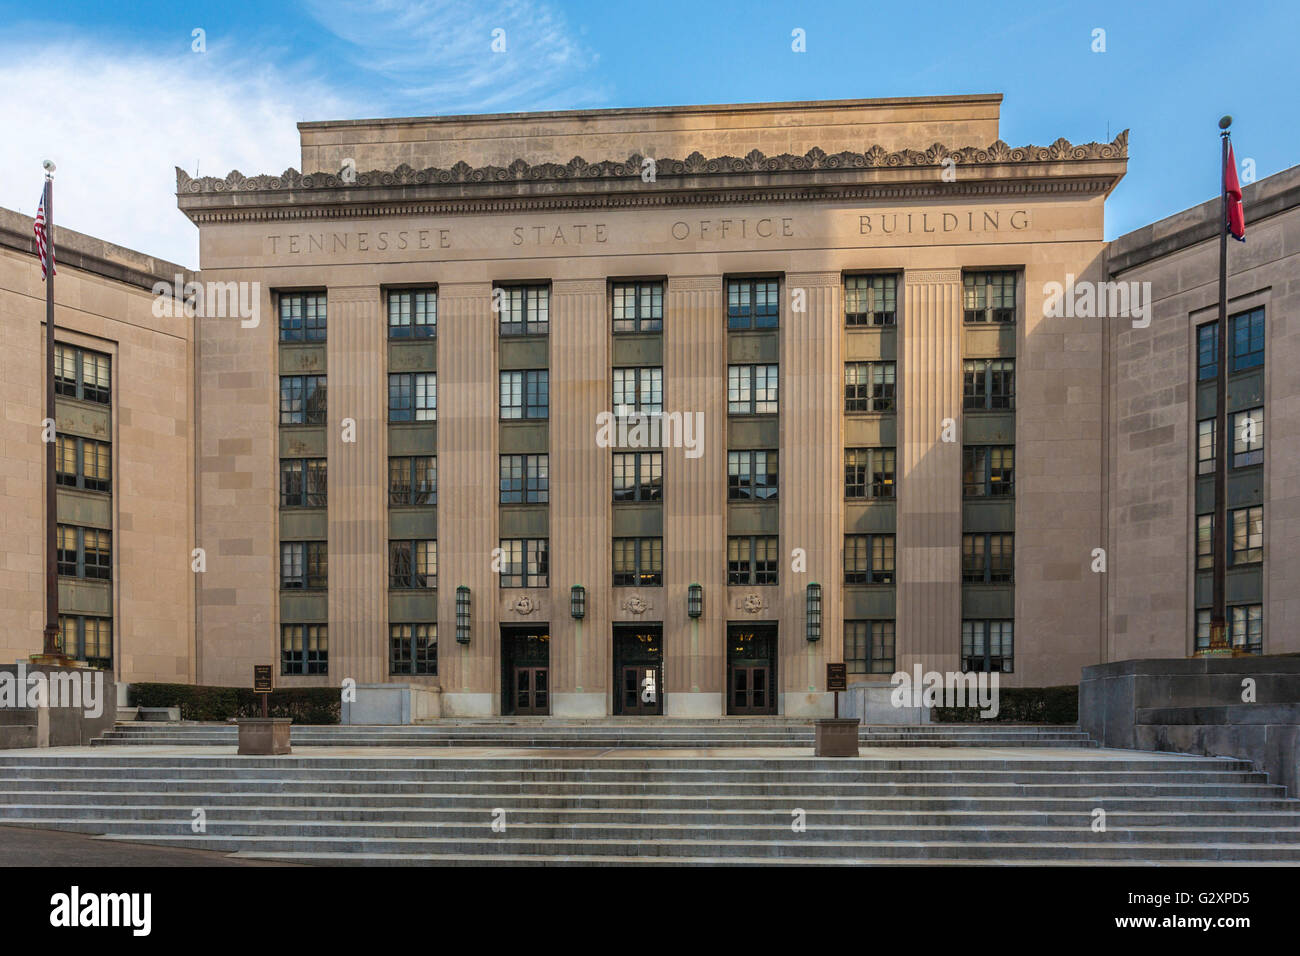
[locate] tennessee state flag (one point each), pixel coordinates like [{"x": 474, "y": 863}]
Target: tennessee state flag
[{"x": 1236, "y": 213}]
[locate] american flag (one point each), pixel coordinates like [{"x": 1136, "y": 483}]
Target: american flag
[{"x": 39, "y": 229}]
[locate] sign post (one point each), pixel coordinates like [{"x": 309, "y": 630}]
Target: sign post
[
  {"x": 264, "y": 736},
  {"x": 837, "y": 679},
  {"x": 837, "y": 736},
  {"x": 263, "y": 684}
]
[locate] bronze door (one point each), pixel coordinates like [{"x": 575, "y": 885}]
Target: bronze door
[
  {"x": 640, "y": 690},
  {"x": 751, "y": 689},
  {"x": 532, "y": 690}
]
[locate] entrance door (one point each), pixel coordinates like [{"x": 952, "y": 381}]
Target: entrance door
[
  {"x": 751, "y": 669},
  {"x": 640, "y": 690},
  {"x": 751, "y": 689},
  {"x": 532, "y": 690},
  {"x": 525, "y": 669},
  {"x": 638, "y": 669}
]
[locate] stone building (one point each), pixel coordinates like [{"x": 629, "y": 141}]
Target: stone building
[{"x": 646, "y": 411}]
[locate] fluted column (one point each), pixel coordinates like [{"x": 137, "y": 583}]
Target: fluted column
[
  {"x": 695, "y": 498},
  {"x": 356, "y": 351},
  {"x": 929, "y": 479},
  {"x": 467, "y": 496},
  {"x": 811, "y": 497},
  {"x": 580, "y": 498}
]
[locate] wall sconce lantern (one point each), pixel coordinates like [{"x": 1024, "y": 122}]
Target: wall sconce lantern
[
  {"x": 462, "y": 615},
  {"x": 578, "y": 602},
  {"x": 814, "y": 611},
  {"x": 694, "y": 601}
]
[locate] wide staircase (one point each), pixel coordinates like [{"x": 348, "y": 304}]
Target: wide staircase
[
  {"x": 968, "y": 805},
  {"x": 605, "y": 733}
]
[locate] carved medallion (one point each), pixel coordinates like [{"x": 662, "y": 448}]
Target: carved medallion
[{"x": 636, "y": 604}]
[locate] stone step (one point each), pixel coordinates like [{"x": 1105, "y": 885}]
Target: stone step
[
  {"x": 178, "y": 814},
  {"x": 1076, "y": 845},
  {"x": 676, "y": 805}
]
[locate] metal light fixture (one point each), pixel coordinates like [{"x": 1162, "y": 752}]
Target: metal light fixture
[
  {"x": 694, "y": 601},
  {"x": 578, "y": 602},
  {"x": 814, "y": 611},
  {"x": 462, "y": 615}
]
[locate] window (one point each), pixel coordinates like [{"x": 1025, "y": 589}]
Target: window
[
  {"x": 988, "y": 471},
  {"x": 302, "y": 317},
  {"x": 869, "y": 647},
  {"x": 1202, "y": 629},
  {"x": 304, "y": 564},
  {"x": 989, "y": 384},
  {"x": 1204, "y": 542},
  {"x": 88, "y": 639},
  {"x": 868, "y": 559},
  {"x": 525, "y": 310},
  {"x": 989, "y": 296},
  {"x": 80, "y": 373},
  {"x": 84, "y": 552},
  {"x": 752, "y": 304},
  {"x": 638, "y": 476},
  {"x": 870, "y": 300},
  {"x": 751, "y": 475},
  {"x": 638, "y": 306},
  {"x": 304, "y": 649},
  {"x": 413, "y": 396},
  {"x": 869, "y": 473},
  {"x": 83, "y": 463},
  {"x": 1205, "y": 446},
  {"x": 1247, "y": 340},
  {"x": 1246, "y": 627},
  {"x": 1207, "y": 351},
  {"x": 638, "y": 562},
  {"x": 638, "y": 391},
  {"x": 525, "y": 394},
  {"x": 987, "y": 558},
  {"x": 1247, "y": 536},
  {"x": 986, "y": 646},
  {"x": 869, "y": 386},
  {"x": 525, "y": 562},
  {"x": 413, "y": 564},
  {"x": 525, "y": 479},
  {"x": 302, "y": 399},
  {"x": 413, "y": 648},
  {"x": 302, "y": 483},
  {"x": 412, "y": 313},
  {"x": 752, "y": 559},
  {"x": 752, "y": 389},
  {"x": 413, "y": 480},
  {"x": 1248, "y": 438}
]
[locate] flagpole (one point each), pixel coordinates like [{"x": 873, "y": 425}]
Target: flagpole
[
  {"x": 51, "y": 650},
  {"x": 1218, "y": 614}
]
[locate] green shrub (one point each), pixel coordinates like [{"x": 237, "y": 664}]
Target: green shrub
[
  {"x": 305, "y": 705},
  {"x": 1020, "y": 705}
]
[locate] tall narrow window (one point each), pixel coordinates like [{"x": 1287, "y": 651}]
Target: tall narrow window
[
  {"x": 524, "y": 310},
  {"x": 1246, "y": 627},
  {"x": 869, "y": 647},
  {"x": 302, "y": 317},
  {"x": 869, "y": 386},
  {"x": 412, "y": 313},
  {"x": 1247, "y": 545},
  {"x": 987, "y": 646},
  {"x": 752, "y": 304},
  {"x": 870, "y": 300},
  {"x": 989, "y": 384},
  {"x": 1205, "y": 446},
  {"x": 638, "y": 306},
  {"x": 304, "y": 565},
  {"x": 1207, "y": 351},
  {"x": 413, "y": 649},
  {"x": 304, "y": 649},
  {"x": 869, "y": 473},
  {"x": 988, "y": 558},
  {"x": 868, "y": 559},
  {"x": 989, "y": 296},
  {"x": 1248, "y": 438},
  {"x": 1204, "y": 542},
  {"x": 988, "y": 471},
  {"x": 1247, "y": 340}
]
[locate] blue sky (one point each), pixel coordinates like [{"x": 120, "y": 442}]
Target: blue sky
[{"x": 126, "y": 98}]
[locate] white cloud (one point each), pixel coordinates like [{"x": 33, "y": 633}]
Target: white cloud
[
  {"x": 117, "y": 126},
  {"x": 436, "y": 55}
]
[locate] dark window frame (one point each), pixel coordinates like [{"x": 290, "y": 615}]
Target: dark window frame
[
  {"x": 533, "y": 487},
  {"x": 411, "y": 298},
  {"x": 747, "y": 557},
  {"x": 534, "y": 394},
  {"x": 304, "y": 661},
  {"x": 532, "y": 551},
  {"x": 876, "y": 481},
  {"x": 978, "y": 391},
  {"x": 980, "y": 544},
  {"x": 529, "y": 294},
  {"x": 307, "y": 494},
  {"x": 863, "y": 394},
  {"x": 406, "y": 410},
  {"x": 880, "y": 635},
  {"x": 405, "y": 555},
  {"x": 78, "y": 477},
  {"x": 979, "y": 648},
  {"x": 1254, "y": 553},
  {"x": 979, "y": 289},
  {"x": 647, "y": 293},
  {"x": 312, "y": 321},
  {"x": 750, "y": 315},
  {"x": 995, "y": 479},
  {"x": 743, "y": 482},
  {"x": 82, "y": 561},
  {"x": 868, "y": 290},
  {"x": 772, "y": 385},
  {"x": 410, "y": 652},
  {"x": 1254, "y": 451},
  {"x": 312, "y": 566},
  {"x": 77, "y": 387},
  {"x": 312, "y": 399},
  {"x": 74, "y": 644},
  {"x": 644, "y": 487},
  {"x": 864, "y": 545},
  {"x": 1255, "y": 333},
  {"x": 639, "y": 575},
  {"x": 408, "y": 492}
]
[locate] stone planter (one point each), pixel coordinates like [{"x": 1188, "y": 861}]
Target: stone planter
[
  {"x": 836, "y": 737},
  {"x": 264, "y": 736}
]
